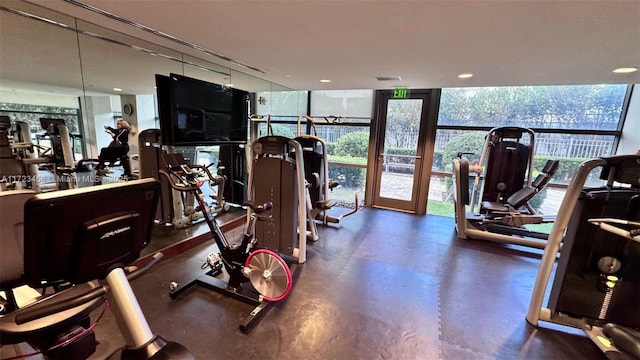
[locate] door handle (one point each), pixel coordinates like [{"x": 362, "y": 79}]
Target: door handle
[{"x": 381, "y": 156}]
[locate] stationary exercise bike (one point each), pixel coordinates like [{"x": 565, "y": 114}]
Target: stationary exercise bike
[
  {"x": 83, "y": 253},
  {"x": 269, "y": 276}
]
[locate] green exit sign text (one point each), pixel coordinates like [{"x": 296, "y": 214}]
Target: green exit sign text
[{"x": 400, "y": 93}]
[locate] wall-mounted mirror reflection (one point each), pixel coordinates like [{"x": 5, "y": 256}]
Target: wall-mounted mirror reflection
[
  {"x": 89, "y": 77},
  {"x": 81, "y": 79}
]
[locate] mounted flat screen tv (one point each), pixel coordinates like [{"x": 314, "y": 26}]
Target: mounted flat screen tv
[{"x": 195, "y": 112}]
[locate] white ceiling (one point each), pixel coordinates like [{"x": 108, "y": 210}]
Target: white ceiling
[{"x": 426, "y": 43}]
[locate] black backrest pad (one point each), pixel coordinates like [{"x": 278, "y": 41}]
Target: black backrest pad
[{"x": 507, "y": 165}]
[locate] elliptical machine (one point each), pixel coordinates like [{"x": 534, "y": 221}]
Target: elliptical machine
[{"x": 256, "y": 276}]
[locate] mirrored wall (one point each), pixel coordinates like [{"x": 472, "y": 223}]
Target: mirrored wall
[{"x": 52, "y": 63}]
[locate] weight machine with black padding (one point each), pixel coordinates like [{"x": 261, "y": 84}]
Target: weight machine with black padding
[
  {"x": 316, "y": 168},
  {"x": 596, "y": 283},
  {"x": 501, "y": 182}
]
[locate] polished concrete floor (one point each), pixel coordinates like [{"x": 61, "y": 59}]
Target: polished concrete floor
[{"x": 379, "y": 285}]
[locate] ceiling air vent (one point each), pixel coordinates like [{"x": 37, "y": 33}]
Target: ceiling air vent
[{"x": 388, "y": 78}]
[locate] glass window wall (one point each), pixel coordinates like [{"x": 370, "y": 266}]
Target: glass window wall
[{"x": 571, "y": 124}]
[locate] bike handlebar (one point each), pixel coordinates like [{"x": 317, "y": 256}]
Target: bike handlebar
[{"x": 176, "y": 186}]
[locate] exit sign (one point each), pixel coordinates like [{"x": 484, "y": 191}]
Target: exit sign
[{"x": 400, "y": 93}]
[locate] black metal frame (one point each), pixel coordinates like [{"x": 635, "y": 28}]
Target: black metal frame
[{"x": 185, "y": 178}]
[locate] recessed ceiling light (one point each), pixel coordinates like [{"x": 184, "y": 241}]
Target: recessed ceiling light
[
  {"x": 465, "y": 76},
  {"x": 625, "y": 70},
  {"x": 325, "y": 81},
  {"x": 287, "y": 75},
  {"x": 117, "y": 89},
  {"x": 228, "y": 85}
]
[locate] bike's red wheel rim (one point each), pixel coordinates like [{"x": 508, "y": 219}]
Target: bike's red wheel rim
[{"x": 269, "y": 274}]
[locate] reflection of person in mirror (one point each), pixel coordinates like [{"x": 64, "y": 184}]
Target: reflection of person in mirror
[{"x": 117, "y": 149}]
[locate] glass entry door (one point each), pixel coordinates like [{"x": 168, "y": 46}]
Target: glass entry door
[{"x": 403, "y": 162}]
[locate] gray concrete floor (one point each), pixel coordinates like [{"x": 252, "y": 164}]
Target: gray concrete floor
[{"x": 381, "y": 285}]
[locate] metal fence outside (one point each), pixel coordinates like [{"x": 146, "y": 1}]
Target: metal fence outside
[{"x": 553, "y": 145}]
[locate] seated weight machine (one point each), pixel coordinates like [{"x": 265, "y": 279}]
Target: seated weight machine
[
  {"x": 81, "y": 252},
  {"x": 316, "y": 168},
  {"x": 596, "y": 285},
  {"x": 277, "y": 177},
  {"x": 254, "y": 275},
  {"x": 506, "y": 169}
]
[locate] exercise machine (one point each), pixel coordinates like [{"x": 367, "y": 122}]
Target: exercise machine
[
  {"x": 316, "y": 168},
  {"x": 518, "y": 202},
  {"x": 504, "y": 167},
  {"x": 171, "y": 209},
  {"x": 504, "y": 210},
  {"x": 150, "y": 155},
  {"x": 507, "y": 159},
  {"x": 217, "y": 180},
  {"x": 81, "y": 252},
  {"x": 61, "y": 158},
  {"x": 176, "y": 208},
  {"x": 11, "y": 168},
  {"x": 596, "y": 283},
  {"x": 254, "y": 275},
  {"x": 232, "y": 163},
  {"x": 33, "y": 156},
  {"x": 277, "y": 177},
  {"x": 21, "y": 159},
  {"x": 185, "y": 208}
]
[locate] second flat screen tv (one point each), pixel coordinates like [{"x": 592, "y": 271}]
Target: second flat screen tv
[{"x": 195, "y": 112}]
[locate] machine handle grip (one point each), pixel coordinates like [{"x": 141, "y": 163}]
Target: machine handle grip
[
  {"x": 462, "y": 153},
  {"x": 141, "y": 270},
  {"x": 258, "y": 208},
  {"x": 45, "y": 308},
  {"x": 174, "y": 185}
]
